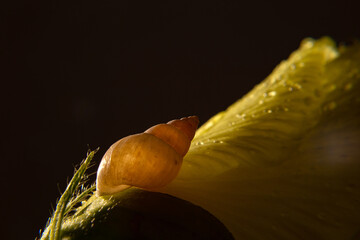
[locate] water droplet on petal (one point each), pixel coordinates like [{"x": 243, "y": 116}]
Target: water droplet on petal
[
  {"x": 241, "y": 116},
  {"x": 275, "y": 79},
  {"x": 330, "y": 106},
  {"x": 330, "y": 87},
  {"x": 348, "y": 87},
  {"x": 231, "y": 123},
  {"x": 272, "y": 93},
  {"x": 307, "y": 43},
  {"x": 297, "y": 86}
]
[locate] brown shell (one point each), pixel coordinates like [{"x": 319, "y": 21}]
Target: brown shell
[{"x": 147, "y": 160}]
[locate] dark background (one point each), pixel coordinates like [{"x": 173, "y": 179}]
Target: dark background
[{"x": 80, "y": 74}]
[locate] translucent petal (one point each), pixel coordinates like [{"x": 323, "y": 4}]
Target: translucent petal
[{"x": 283, "y": 162}]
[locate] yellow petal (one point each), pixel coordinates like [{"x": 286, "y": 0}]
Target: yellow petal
[{"x": 283, "y": 162}]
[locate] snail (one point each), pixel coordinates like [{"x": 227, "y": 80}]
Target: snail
[{"x": 148, "y": 160}]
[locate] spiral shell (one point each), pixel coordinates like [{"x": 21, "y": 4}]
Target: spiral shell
[{"x": 148, "y": 160}]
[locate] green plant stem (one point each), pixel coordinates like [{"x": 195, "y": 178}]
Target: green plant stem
[
  {"x": 63, "y": 206},
  {"x": 82, "y": 195}
]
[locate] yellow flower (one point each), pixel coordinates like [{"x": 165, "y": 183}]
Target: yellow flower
[{"x": 283, "y": 162}]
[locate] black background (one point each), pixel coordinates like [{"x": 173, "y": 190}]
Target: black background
[{"x": 80, "y": 74}]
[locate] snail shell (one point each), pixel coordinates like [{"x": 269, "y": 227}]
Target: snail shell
[{"x": 147, "y": 160}]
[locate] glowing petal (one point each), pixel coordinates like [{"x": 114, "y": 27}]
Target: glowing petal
[{"x": 284, "y": 161}]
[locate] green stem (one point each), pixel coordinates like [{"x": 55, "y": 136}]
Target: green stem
[
  {"x": 82, "y": 195},
  {"x": 54, "y": 228}
]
